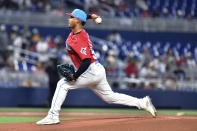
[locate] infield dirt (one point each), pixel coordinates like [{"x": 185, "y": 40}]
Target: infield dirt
[{"x": 105, "y": 122}]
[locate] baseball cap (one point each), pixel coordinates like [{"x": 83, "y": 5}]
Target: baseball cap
[{"x": 80, "y": 14}]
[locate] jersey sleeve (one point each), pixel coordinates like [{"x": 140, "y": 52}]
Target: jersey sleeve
[{"x": 82, "y": 49}]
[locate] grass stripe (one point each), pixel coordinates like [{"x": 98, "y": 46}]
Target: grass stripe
[
  {"x": 16, "y": 119},
  {"x": 100, "y": 110},
  {"x": 24, "y": 109}
]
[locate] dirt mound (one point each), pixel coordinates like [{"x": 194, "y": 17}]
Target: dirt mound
[{"x": 106, "y": 122}]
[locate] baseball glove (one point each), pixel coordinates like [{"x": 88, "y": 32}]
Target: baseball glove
[{"x": 67, "y": 71}]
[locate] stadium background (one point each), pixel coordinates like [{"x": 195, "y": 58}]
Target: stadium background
[{"x": 148, "y": 47}]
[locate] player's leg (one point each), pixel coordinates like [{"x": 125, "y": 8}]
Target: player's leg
[
  {"x": 104, "y": 91},
  {"x": 61, "y": 92},
  {"x": 58, "y": 99},
  {"x": 86, "y": 79}
]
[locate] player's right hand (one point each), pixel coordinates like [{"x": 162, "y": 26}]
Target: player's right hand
[{"x": 94, "y": 17}]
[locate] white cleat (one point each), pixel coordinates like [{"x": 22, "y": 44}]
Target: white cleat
[
  {"x": 48, "y": 121},
  {"x": 149, "y": 106}
]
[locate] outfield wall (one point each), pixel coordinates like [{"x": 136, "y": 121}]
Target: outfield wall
[{"x": 16, "y": 97}]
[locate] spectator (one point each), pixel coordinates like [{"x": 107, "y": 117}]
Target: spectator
[
  {"x": 17, "y": 42},
  {"x": 41, "y": 76},
  {"x": 144, "y": 72},
  {"x": 50, "y": 42},
  {"x": 90, "y": 4},
  {"x": 57, "y": 11},
  {"x": 146, "y": 56},
  {"x": 179, "y": 14},
  {"x": 165, "y": 13},
  {"x": 42, "y": 49},
  {"x": 24, "y": 4},
  {"x": 13, "y": 33},
  {"x": 179, "y": 72},
  {"x": 103, "y": 7},
  {"x": 156, "y": 62},
  {"x": 34, "y": 39},
  {"x": 106, "y": 9},
  {"x": 58, "y": 40},
  {"x": 36, "y": 36},
  {"x": 11, "y": 4},
  {"x": 10, "y": 64},
  {"x": 156, "y": 13},
  {"x": 171, "y": 84},
  {"x": 146, "y": 14},
  {"x": 189, "y": 16},
  {"x": 169, "y": 73},
  {"x": 167, "y": 83},
  {"x": 151, "y": 86},
  {"x": 30, "y": 83},
  {"x": 153, "y": 72},
  {"x": 190, "y": 61},
  {"x": 164, "y": 67},
  {"x": 160, "y": 64},
  {"x": 111, "y": 64},
  {"x": 182, "y": 61},
  {"x": 42, "y": 46},
  {"x": 65, "y": 59},
  {"x": 3, "y": 40},
  {"x": 114, "y": 36},
  {"x": 3, "y": 37},
  {"x": 171, "y": 60},
  {"x": 120, "y": 5},
  {"x": 131, "y": 69},
  {"x": 2, "y": 62},
  {"x": 26, "y": 32}
]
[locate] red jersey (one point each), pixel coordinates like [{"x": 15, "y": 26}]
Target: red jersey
[{"x": 79, "y": 47}]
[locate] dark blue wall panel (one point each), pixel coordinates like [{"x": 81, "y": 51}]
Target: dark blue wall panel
[{"x": 13, "y": 97}]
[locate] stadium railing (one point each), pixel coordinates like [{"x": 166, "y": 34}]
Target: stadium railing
[{"x": 135, "y": 24}]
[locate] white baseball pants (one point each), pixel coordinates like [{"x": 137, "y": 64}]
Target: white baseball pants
[{"x": 95, "y": 78}]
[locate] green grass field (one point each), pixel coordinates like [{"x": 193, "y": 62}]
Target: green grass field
[{"x": 14, "y": 119}]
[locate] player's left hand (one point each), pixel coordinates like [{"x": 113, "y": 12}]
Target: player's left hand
[
  {"x": 94, "y": 17},
  {"x": 67, "y": 71}
]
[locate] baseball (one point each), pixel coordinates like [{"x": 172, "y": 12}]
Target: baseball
[{"x": 99, "y": 20}]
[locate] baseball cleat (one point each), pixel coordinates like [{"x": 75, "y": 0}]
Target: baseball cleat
[
  {"x": 149, "y": 106},
  {"x": 48, "y": 121}
]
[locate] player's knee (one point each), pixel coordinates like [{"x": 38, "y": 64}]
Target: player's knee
[
  {"x": 109, "y": 99},
  {"x": 62, "y": 83},
  {"x": 59, "y": 83}
]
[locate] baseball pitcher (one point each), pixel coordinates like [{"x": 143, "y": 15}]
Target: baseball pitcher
[{"x": 90, "y": 73}]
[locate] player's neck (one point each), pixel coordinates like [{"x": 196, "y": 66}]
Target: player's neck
[{"x": 77, "y": 29}]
